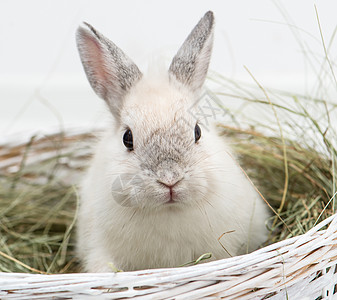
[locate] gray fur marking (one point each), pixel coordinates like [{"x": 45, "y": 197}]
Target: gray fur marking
[
  {"x": 164, "y": 145},
  {"x": 184, "y": 64}
]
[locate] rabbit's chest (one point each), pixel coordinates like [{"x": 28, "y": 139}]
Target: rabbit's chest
[{"x": 162, "y": 242}]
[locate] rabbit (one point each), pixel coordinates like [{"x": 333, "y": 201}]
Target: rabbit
[{"x": 161, "y": 189}]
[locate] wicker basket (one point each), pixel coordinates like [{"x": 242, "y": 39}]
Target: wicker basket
[{"x": 303, "y": 267}]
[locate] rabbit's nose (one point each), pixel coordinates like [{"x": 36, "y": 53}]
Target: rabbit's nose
[
  {"x": 170, "y": 185},
  {"x": 169, "y": 178}
]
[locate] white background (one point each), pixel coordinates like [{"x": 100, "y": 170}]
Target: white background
[{"x": 42, "y": 83}]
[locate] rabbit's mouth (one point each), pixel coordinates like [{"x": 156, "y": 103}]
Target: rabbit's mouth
[
  {"x": 170, "y": 190},
  {"x": 172, "y": 198}
]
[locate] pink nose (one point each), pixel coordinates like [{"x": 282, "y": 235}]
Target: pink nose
[{"x": 168, "y": 184}]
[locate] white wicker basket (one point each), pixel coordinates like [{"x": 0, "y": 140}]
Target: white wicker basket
[{"x": 303, "y": 267}]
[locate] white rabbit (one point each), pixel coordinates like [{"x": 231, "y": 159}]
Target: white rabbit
[{"x": 161, "y": 188}]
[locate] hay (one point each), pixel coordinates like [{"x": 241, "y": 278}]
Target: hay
[
  {"x": 309, "y": 192},
  {"x": 287, "y": 144},
  {"x": 38, "y": 200}
]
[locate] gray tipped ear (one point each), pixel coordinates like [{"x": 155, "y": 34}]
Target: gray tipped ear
[
  {"x": 190, "y": 64},
  {"x": 110, "y": 72}
]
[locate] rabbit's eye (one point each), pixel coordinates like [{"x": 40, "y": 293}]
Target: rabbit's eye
[
  {"x": 197, "y": 132},
  {"x": 128, "y": 140}
]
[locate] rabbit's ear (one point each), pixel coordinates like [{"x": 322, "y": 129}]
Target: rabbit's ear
[
  {"x": 110, "y": 72},
  {"x": 190, "y": 64}
]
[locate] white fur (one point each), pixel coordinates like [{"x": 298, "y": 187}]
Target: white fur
[{"x": 139, "y": 229}]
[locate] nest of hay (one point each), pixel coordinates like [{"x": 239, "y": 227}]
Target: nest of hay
[
  {"x": 38, "y": 202},
  {"x": 296, "y": 176}
]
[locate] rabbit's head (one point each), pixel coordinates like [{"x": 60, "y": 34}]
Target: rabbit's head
[{"x": 158, "y": 154}]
